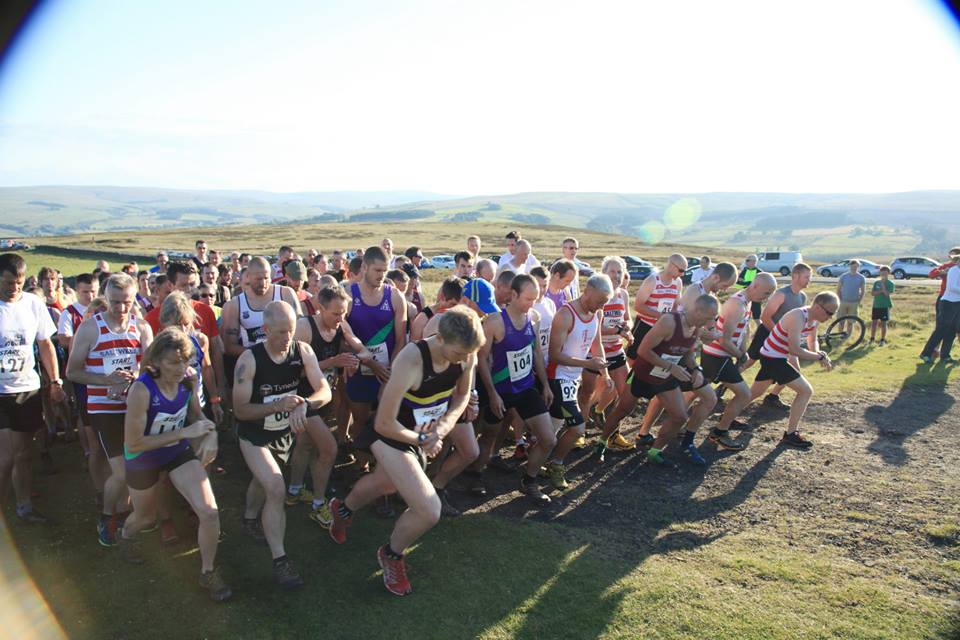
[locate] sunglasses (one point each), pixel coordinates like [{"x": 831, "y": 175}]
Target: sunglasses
[{"x": 829, "y": 313}]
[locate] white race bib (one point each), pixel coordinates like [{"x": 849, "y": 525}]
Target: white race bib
[
  {"x": 660, "y": 372},
  {"x": 167, "y": 422},
  {"x": 119, "y": 362},
  {"x": 279, "y": 419},
  {"x": 428, "y": 414},
  {"x": 519, "y": 363},
  {"x": 545, "y": 339},
  {"x": 665, "y": 306},
  {"x": 12, "y": 362},
  {"x": 568, "y": 390},
  {"x": 380, "y": 354}
]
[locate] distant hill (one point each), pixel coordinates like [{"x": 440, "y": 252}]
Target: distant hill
[{"x": 823, "y": 226}]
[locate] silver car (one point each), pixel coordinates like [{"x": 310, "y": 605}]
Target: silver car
[
  {"x": 912, "y": 267},
  {"x": 867, "y": 269}
]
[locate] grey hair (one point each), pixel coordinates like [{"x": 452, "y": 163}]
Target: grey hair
[{"x": 600, "y": 282}]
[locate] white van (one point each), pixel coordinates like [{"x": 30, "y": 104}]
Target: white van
[{"x": 778, "y": 261}]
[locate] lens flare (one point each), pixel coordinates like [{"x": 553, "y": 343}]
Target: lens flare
[
  {"x": 682, "y": 214},
  {"x": 652, "y": 232}
]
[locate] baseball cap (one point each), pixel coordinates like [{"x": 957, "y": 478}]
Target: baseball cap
[
  {"x": 296, "y": 269},
  {"x": 481, "y": 293}
]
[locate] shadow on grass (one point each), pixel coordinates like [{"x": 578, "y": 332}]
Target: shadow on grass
[{"x": 900, "y": 420}]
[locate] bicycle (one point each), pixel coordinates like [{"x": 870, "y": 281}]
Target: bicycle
[{"x": 838, "y": 336}]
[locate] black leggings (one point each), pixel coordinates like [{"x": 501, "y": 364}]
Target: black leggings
[{"x": 945, "y": 331}]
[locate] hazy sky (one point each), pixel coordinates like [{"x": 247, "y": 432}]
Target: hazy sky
[{"x": 485, "y": 97}]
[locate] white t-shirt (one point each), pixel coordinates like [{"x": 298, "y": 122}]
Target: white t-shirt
[
  {"x": 21, "y": 324},
  {"x": 507, "y": 257},
  {"x": 65, "y": 324},
  {"x": 700, "y": 274}
]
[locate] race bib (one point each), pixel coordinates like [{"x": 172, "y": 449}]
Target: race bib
[
  {"x": 255, "y": 336},
  {"x": 278, "y": 420},
  {"x": 12, "y": 363},
  {"x": 167, "y": 422},
  {"x": 660, "y": 372},
  {"x": 380, "y": 354},
  {"x": 520, "y": 363},
  {"x": 568, "y": 390},
  {"x": 119, "y": 362},
  {"x": 426, "y": 415},
  {"x": 665, "y": 306}
]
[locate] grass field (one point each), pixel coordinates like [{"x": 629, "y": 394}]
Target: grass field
[{"x": 857, "y": 539}]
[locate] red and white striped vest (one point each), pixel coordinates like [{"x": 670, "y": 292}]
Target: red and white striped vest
[
  {"x": 777, "y": 345},
  {"x": 663, "y": 298},
  {"x": 714, "y": 348},
  {"x": 112, "y": 351}
]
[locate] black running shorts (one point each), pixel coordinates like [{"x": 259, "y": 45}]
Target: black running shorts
[{"x": 777, "y": 369}]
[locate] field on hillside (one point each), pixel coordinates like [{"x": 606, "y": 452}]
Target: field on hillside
[{"x": 858, "y": 538}]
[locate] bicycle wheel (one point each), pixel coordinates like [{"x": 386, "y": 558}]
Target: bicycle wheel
[{"x": 843, "y": 334}]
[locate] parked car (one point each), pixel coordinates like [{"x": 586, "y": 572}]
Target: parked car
[
  {"x": 912, "y": 267},
  {"x": 778, "y": 261},
  {"x": 638, "y": 269},
  {"x": 443, "y": 262},
  {"x": 868, "y": 269}
]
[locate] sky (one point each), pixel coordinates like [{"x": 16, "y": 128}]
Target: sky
[{"x": 485, "y": 97}]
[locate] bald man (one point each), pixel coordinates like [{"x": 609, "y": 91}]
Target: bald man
[
  {"x": 242, "y": 317},
  {"x": 658, "y": 295},
  {"x": 269, "y": 413},
  {"x": 521, "y": 261}
]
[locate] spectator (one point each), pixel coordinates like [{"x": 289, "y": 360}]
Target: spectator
[
  {"x": 570, "y": 248},
  {"x": 850, "y": 289},
  {"x": 948, "y": 318},
  {"x": 162, "y": 261},
  {"x": 200, "y": 257},
  {"x": 882, "y": 304},
  {"x": 703, "y": 271},
  {"x": 747, "y": 274},
  {"x": 415, "y": 255},
  {"x": 336, "y": 266},
  {"x": 473, "y": 246}
]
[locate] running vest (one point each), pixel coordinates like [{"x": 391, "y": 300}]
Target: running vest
[
  {"x": 559, "y": 298},
  {"x": 547, "y": 310},
  {"x": 112, "y": 352},
  {"x": 199, "y": 366},
  {"x": 791, "y": 301},
  {"x": 673, "y": 350},
  {"x": 163, "y": 416},
  {"x": 373, "y": 326},
  {"x": 325, "y": 349},
  {"x": 512, "y": 368},
  {"x": 430, "y": 400},
  {"x": 613, "y": 315},
  {"x": 702, "y": 291},
  {"x": 273, "y": 381},
  {"x": 661, "y": 299},
  {"x": 251, "y": 320},
  {"x": 577, "y": 345},
  {"x": 76, "y": 316},
  {"x": 714, "y": 348},
  {"x": 777, "y": 344}
]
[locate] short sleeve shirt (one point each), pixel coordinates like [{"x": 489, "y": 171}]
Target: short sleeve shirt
[
  {"x": 882, "y": 300},
  {"x": 205, "y": 322},
  {"x": 22, "y": 323},
  {"x": 850, "y": 285}
]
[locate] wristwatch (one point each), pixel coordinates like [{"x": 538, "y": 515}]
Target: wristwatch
[
  {"x": 57, "y": 381},
  {"x": 421, "y": 438},
  {"x": 822, "y": 356}
]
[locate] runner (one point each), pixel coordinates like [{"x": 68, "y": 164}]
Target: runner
[
  {"x": 575, "y": 335},
  {"x": 657, "y": 295},
  {"x": 508, "y": 361},
  {"x": 782, "y": 301},
  {"x": 486, "y": 269},
  {"x": 105, "y": 356},
  {"x": 616, "y": 329},
  {"x": 781, "y": 354},
  {"x": 428, "y": 390},
  {"x": 24, "y": 321},
  {"x": 665, "y": 368},
  {"x": 449, "y": 294},
  {"x": 157, "y": 439},
  {"x": 377, "y": 313},
  {"x": 720, "y": 357},
  {"x": 547, "y": 310},
  {"x": 269, "y": 412},
  {"x": 399, "y": 279},
  {"x": 563, "y": 273},
  {"x": 464, "y": 262},
  {"x": 522, "y": 261}
]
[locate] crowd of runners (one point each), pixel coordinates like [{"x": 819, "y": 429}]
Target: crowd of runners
[{"x": 319, "y": 362}]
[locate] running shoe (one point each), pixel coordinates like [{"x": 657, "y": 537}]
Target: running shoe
[
  {"x": 530, "y": 487},
  {"x": 883, "y": 343},
  {"x": 502, "y": 464},
  {"x": 214, "y": 585},
  {"x": 580, "y": 443},
  {"x": 600, "y": 451},
  {"x": 286, "y": 574},
  {"x": 926, "y": 359},
  {"x": 151, "y": 528},
  {"x": 322, "y": 516},
  {"x": 795, "y": 440},
  {"x": 694, "y": 454},
  {"x": 105, "y": 536},
  {"x": 168, "y": 533},
  {"x": 254, "y": 529},
  {"x": 473, "y": 480},
  {"x": 130, "y": 550},
  {"x": 739, "y": 425},
  {"x": 555, "y": 473},
  {"x": 33, "y": 517},
  {"x": 645, "y": 440},
  {"x": 618, "y": 443},
  {"x": 519, "y": 454},
  {"x": 338, "y": 528},
  {"x": 394, "y": 573},
  {"x": 948, "y": 360},
  {"x": 447, "y": 509},
  {"x": 724, "y": 441},
  {"x": 655, "y": 456},
  {"x": 774, "y": 402},
  {"x": 305, "y": 495}
]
